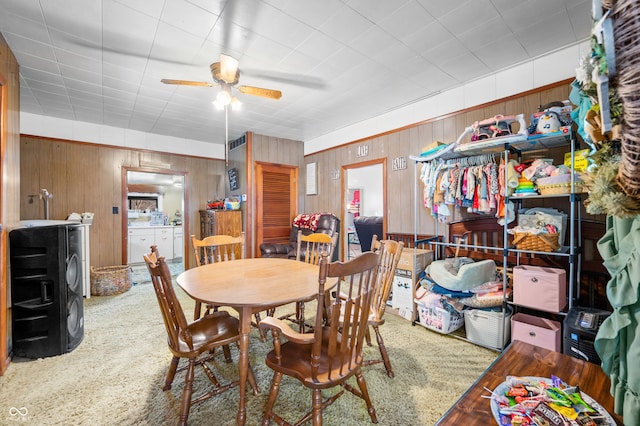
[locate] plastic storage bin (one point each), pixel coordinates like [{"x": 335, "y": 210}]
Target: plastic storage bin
[
  {"x": 439, "y": 319},
  {"x": 540, "y": 288},
  {"x": 537, "y": 331},
  {"x": 488, "y": 328}
]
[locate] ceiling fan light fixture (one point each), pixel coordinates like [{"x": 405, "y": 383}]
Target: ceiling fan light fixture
[
  {"x": 236, "y": 105},
  {"x": 228, "y": 69}
]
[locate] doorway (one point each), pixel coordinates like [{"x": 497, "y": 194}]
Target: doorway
[
  {"x": 364, "y": 191},
  {"x": 276, "y": 203},
  {"x": 154, "y": 211}
]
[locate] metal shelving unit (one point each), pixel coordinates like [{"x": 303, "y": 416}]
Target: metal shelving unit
[{"x": 507, "y": 147}]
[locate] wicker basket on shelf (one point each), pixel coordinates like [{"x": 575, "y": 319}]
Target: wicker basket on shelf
[
  {"x": 110, "y": 280},
  {"x": 536, "y": 242},
  {"x": 559, "y": 188}
]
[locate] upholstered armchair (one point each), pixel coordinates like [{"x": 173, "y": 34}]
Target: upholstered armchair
[
  {"x": 366, "y": 228},
  {"x": 308, "y": 223}
]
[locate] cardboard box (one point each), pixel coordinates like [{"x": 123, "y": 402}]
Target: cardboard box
[
  {"x": 404, "y": 281},
  {"x": 488, "y": 328},
  {"x": 537, "y": 331},
  {"x": 540, "y": 287}
]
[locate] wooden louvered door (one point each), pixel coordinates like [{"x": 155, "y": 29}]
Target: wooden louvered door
[{"x": 276, "y": 203}]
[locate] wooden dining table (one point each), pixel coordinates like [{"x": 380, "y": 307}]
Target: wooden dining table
[
  {"x": 524, "y": 359},
  {"x": 249, "y": 286}
]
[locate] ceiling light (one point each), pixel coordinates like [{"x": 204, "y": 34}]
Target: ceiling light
[
  {"x": 223, "y": 98},
  {"x": 236, "y": 105}
]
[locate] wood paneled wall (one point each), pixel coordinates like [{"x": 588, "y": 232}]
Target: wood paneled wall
[
  {"x": 88, "y": 178},
  {"x": 410, "y": 141},
  {"x": 9, "y": 183}
]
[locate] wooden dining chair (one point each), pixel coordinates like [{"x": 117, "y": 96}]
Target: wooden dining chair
[
  {"x": 332, "y": 354},
  {"x": 194, "y": 341},
  {"x": 389, "y": 258},
  {"x": 309, "y": 249},
  {"x": 213, "y": 249}
]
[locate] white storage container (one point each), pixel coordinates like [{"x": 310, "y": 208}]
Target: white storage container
[{"x": 488, "y": 328}]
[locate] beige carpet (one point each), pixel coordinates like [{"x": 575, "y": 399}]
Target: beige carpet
[{"x": 115, "y": 376}]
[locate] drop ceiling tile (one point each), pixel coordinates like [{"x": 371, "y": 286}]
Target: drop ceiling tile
[
  {"x": 377, "y": 11},
  {"x": 121, "y": 73},
  {"x": 172, "y": 42},
  {"x": 555, "y": 30},
  {"x": 438, "y": 9},
  {"x": 151, "y": 8},
  {"x": 526, "y": 14},
  {"x": 381, "y": 47},
  {"x": 84, "y": 100},
  {"x": 114, "y": 96},
  {"x": 446, "y": 52},
  {"x": 487, "y": 32},
  {"x": 77, "y": 61},
  {"x": 501, "y": 53},
  {"x": 128, "y": 31},
  {"x": 188, "y": 17},
  {"x": 580, "y": 18},
  {"x": 121, "y": 86},
  {"x": 213, "y": 6},
  {"x": 29, "y": 9},
  {"x": 406, "y": 20},
  {"x": 53, "y": 111},
  {"x": 29, "y": 103},
  {"x": 468, "y": 15},
  {"x": 29, "y": 61},
  {"x": 427, "y": 37},
  {"x": 79, "y": 74},
  {"x": 276, "y": 26},
  {"x": 77, "y": 45},
  {"x": 32, "y": 74},
  {"x": 265, "y": 51},
  {"x": 433, "y": 79},
  {"x": 318, "y": 45},
  {"x": 34, "y": 30},
  {"x": 42, "y": 86},
  {"x": 297, "y": 62},
  {"x": 25, "y": 45},
  {"x": 150, "y": 102},
  {"x": 137, "y": 64},
  {"x": 79, "y": 86},
  {"x": 312, "y": 13},
  {"x": 80, "y": 19},
  {"x": 345, "y": 25},
  {"x": 465, "y": 68}
]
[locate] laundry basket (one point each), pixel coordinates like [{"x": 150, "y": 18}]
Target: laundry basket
[{"x": 110, "y": 280}]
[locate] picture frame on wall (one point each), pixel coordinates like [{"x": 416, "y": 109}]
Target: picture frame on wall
[
  {"x": 233, "y": 178},
  {"x": 312, "y": 179}
]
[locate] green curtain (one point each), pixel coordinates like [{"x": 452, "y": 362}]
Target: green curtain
[{"x": 618, "y": 340}]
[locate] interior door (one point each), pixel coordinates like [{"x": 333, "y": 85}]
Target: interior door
[{"x": 276, "y": 203}]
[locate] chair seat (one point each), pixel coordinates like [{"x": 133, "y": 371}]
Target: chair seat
[
  {"x": 218, "y": 326},
  {"x": 295, "y": 362}
]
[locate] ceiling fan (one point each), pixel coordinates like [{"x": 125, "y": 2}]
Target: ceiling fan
[{"x": 226, "y": 75}]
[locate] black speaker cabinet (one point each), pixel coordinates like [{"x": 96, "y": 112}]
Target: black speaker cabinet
[{"x": 46, "y": 289}]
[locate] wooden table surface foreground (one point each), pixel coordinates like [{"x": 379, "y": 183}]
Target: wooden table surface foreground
[{"x": 523, "y": 359}]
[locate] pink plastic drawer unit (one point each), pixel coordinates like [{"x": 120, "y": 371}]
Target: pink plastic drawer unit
[
  {"x": 536, "y": 331},
  {"x": 540, "y": 288}
]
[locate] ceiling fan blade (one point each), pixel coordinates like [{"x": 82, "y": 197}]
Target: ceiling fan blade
[
  {"x": 259, "y": 91},
  {"x": 307, "y": 81},
  {"x": 187, "y": 82},
  {"x": 228, "y": 68}
]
